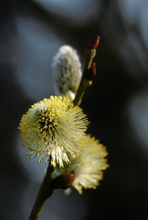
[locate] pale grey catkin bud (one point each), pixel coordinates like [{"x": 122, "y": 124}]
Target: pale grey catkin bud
[{"x": 67, "y": 72}]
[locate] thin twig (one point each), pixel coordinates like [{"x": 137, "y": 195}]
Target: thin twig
[
  {"x": 45, "y": 192},
  {"x": 89, "y": 67}
]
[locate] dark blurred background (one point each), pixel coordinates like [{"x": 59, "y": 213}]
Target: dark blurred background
[{"x": 117, "y": 103}]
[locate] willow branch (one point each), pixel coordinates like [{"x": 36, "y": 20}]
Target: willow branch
[
  {"x": 89, "y": 70},
  {"x": 45, "y": 192}
]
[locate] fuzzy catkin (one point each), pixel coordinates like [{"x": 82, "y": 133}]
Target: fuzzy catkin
[{"x": 67, "y": 71}]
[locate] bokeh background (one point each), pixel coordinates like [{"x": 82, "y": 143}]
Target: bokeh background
[{"x": 31, "y": 31}]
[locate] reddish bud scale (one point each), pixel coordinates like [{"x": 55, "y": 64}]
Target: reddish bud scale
[
  {"x": 94, "y": 69},
  {"x": 90, "y": 73},
  {"x": 63, "y": 181},
  {"x": 94, "y": 44}
]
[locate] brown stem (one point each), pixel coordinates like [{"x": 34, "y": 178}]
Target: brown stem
[
  {"x": 85, "y": 83},
  {"x": 90, "y": 53}
]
